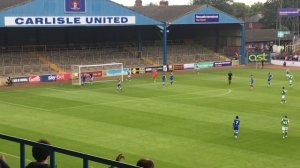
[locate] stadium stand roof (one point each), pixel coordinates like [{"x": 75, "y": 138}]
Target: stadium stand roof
[
  {"x": 55, "y": 8},
  {"x": 183, "y": 14},
  {"x": 166, "y": 13},
  {"x": 5, "y": 4},
  {"x": 254, "y": 18}
]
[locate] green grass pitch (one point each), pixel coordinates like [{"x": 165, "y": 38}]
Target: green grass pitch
[{"x": 188, "y": 125}]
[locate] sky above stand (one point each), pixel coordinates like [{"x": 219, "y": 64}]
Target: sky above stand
[{"x": 178, "y": 2}]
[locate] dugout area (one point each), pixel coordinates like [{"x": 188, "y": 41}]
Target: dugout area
[{"x": 204, "y": 26}]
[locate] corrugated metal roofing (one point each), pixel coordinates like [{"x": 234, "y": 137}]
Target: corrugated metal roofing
[
  {"x": 166, "y": 13},
  {"x": 4, "y": 4},
  {"x": 254, "y": 18}
]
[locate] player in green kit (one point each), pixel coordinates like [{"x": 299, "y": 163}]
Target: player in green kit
[
  {"x": 285, "y": 126},
  {"x": 287, "y": 73},
  {"x": 283, "y": 95},
  {"x": 119, "y": 85},
  {"x": 290, "y": 79},
  {"x": 251, "y": 82}
]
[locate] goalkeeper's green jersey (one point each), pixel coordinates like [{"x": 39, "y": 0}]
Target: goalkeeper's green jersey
[{"x": 285, "y": 122}]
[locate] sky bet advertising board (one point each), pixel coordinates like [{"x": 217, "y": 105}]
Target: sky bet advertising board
[{"x": 48, "y": 78}]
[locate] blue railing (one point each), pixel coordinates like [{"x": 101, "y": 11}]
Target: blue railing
[{"x": 53, "y": 149}]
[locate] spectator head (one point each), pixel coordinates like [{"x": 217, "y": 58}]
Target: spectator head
[
  {"x": 40, "y": 154},
  {"x": 120, "y": 157},
  {"x": 145, "y": 163}
]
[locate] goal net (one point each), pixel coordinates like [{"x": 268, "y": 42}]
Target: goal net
[{"x": 101, "y": 72}]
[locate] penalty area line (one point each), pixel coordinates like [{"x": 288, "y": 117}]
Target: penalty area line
[
  {"x": 150, "y": 98},
  {"x": 218, "y": 95},
  {"x": 20, "y": 105}
]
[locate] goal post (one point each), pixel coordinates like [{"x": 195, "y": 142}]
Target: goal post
[{"x": 100, "y": 73}]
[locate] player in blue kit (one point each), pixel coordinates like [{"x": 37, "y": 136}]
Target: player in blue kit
[
  {"x": 236, "y": 125},
  {"x": 251, "y": 82},
  {"x": 171, "y": 78},
  {"x": 164, "y": 79},
  {"x": 270, "y": 77},
  {"x": 83, "y": 79}
]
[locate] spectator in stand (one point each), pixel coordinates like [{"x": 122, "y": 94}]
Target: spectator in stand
[
  {"x": 41, "y": 155},
  {"x": 145, "y": 163},
  {"x": 284, "y": 56},
  {"x": 3, "y": 164},
  {"x": 295, "y": 57}
]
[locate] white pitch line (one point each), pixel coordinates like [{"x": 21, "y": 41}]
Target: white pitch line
[
  {"x": 21, "y": 105},
  {"x": 151, "y": 98},
  {"x": 14, "y": 156},
  {"x": 219, "y": 95}
]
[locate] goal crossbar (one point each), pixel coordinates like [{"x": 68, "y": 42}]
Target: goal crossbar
[{"x": 96, "y": 65}]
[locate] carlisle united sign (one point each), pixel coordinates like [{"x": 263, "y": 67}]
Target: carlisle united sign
[
  {"x": 37, "y": 21},
  {"x": 75, "y": 6}
]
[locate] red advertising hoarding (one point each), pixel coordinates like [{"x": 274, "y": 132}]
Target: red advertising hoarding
[{"x": 34, "y": 79}]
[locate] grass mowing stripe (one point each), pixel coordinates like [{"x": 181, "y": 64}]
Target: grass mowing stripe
[{"x": 21, "y": 105}]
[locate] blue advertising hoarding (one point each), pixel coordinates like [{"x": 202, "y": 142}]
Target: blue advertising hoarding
[
  {"x": 48, "y": 78},
  {"x": 222, "y": 63}
]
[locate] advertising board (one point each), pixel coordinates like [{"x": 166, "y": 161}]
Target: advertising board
[
  {"x": 34, "y": 79},
  {"x": 61, "y": 77},
  {"x": 20, "y": 79},
  {"x": 178, "y": 67},
  {"x": 48, "y": 78},
  {"x": 258, "y": 57},
  {"x": 201, "y": 65},
  {"x": 222, "y": 63},
  {"x": 158, "y": 68}
]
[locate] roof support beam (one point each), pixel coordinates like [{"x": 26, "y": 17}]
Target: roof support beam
[
  {"x": 242, "y": 49},
  {"x": 165, "y": 39}
]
